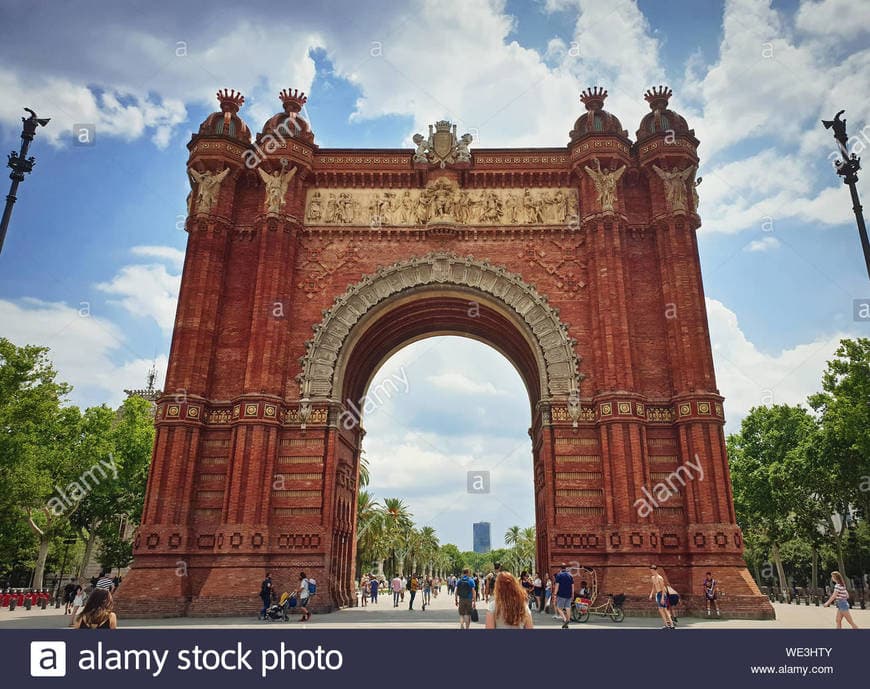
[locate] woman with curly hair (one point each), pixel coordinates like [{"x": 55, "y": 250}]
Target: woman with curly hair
[
  {"x": 97, "y": 613},
  {"x": 509, "y": 608}
]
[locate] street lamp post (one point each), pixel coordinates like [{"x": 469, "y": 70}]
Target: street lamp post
[
  {"x": 21, "y": 165},
  {"x": 848, "y": 168}
]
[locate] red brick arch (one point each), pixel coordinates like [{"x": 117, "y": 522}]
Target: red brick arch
[{"x": 306, "y": 267}]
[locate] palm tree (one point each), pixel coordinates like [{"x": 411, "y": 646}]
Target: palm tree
[
  {"x": 364, "y": 475},
  {"x": 527, "y": 547},
  {"x": 397, "y": 523},
  {"x": 369, "y": 529},
  {"x": 428, "y": 547}
]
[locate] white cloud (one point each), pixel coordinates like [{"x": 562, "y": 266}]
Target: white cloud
[
  {"x": 766, "y": 244},
  {"x": 749, "y": 377},
  {"x": 148, "y": 291},
  {"x": 833, "y": 19},
  {"x": 84, "y": 348},
  {"x": 457, "y": 382},
  {"x": 166, "y": 253}
]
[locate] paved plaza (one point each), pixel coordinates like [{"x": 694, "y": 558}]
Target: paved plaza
[{"x": 441, "y": 614}]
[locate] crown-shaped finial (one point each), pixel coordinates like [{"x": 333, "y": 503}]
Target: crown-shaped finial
[
  {"x": 293, "y": 99},
  {"x": 658, "y": 97},
  {"x": 230, "y": 100},
  {"x": 593, "y": 97}
]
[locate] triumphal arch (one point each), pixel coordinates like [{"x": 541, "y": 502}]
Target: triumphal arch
[{"x": 306, "y": 267}]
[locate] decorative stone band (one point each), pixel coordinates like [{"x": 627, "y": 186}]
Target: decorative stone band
[
  {"x": 558, "y": 361},
  {"x": 440, "y": 202},
  {"x": 623, "y": 410}
]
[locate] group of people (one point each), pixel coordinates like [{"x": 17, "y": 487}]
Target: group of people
[
  {"x": 302, "y": 595},
  {"x": 370, "y": 585},
  {"x": 75, "y": 596}
]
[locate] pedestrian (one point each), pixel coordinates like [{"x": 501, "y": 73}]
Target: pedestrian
[
  {"x": 364, "y": 590},
  {"x": 538, "y": 590},
  {"x": 840, "y": 597},
  {"x": 508, "y": 609},
  {"x": 78, "y": 601},
  {"x": 488, "y": 586},
  {"x": 548, "y": 595},
  {"x": 413, "y": 587},
  {"x": 396, "y": 586},
  {"x": 374, "y": 585},
  {"x": 97, "y": 613},
  {"x": 528, "y": 587},
  {"x": 68, "y": 594},
  {"x": 304, "y": 593},
  {"x": 105, "y": 582},
  {"x": 404, "y": 586},
  {"x": 564, "y": 587},
  {"x": 265, "y": 595},
  {"x": 673, "y": 602},
  {"x": 711, "y": 593},
  {"x": 465, "y": 598},
  {"x": 660, "y": 592},
  {"x": 427, "y": 591}
]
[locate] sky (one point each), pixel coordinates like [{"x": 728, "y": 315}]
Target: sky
[{"x": 92, "y": 262}]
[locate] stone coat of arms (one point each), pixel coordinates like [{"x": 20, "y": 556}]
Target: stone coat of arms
[{"x": 442, "y": 147}]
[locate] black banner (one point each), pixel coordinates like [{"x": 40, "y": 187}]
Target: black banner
[{"x": 436, "y": 658}]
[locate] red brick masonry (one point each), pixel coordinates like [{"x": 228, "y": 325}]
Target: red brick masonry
[{"x": 246, "y": 478}]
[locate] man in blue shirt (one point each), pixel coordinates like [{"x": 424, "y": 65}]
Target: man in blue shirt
[
  {"x": 466, "y": 595},
  {"x": 564, "y": 584}
]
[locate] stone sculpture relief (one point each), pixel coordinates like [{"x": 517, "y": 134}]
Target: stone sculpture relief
[
  {"x": 276, "y": 188},
  {"x": 605, "y": 184},
  {"x": 675, "y": 186},
  {"x": 208, "y": 185},
  {"x": 441, "y": 202}
]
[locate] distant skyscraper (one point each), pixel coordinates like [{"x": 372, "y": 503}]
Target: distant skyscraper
[{"x": 481, "y": 537}]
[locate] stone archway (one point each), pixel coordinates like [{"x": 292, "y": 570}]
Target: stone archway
[
  {"x": 435, "y": 294},
  {"x": 554, "y": 349}
]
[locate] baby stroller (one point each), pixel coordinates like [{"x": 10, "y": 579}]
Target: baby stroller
[{"x": 280, "y": 610}]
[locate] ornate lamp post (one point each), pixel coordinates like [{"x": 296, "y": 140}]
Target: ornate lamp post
[
  {"x": 848, "y": 168},
  {"x": 21, "y": 165}
]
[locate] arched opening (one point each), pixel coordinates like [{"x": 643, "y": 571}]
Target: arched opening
[
  {"x": 411, "y": 318},
  {"x": 446, "y": 441}
]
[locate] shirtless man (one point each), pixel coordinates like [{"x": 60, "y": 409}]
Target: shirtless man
[{"x": 660, "y": 592}]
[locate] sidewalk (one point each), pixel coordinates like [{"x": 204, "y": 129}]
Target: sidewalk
[{"x": 441, "y": 614}]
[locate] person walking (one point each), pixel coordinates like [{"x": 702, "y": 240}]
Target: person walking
[
  {"x": 396, "y": 586},
  {"x": 840, "y": 597},
  {"x": 427, "y": 591},
  {"x": 660, "y": 592},
  {"x": 69, "y": 592},
  {"x": 564, "y": 588},
  {"x": 78, "y": 601},
  {"x": 97, "y": 613},
  {"x": 508, "y": 609},
  {"x": 711, "y": 593},
  {"x": 265, "y": 595},
  {"x": 413, "y": 587},
  {"x": 465, "y": 598},
  {"x": 538, "y": 590},
  {"x": 304, "y": 595},
  {"x": 364, "y": 590},
  {"x": 548, "y": 595},
  {"x": 105, "y": 582},
  {"x": 373, "y": 586}
]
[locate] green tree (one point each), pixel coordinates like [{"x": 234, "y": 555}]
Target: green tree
[
  {"x": 767, "y": 489},
  {"x": 841, "y": 456}
]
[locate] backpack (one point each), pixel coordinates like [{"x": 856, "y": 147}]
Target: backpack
[
  {"x": 464, "y": 588},
  {"x": 312, "y": 587}
]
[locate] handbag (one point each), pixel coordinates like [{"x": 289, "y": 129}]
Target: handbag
[{"x": 475, "y": 616}]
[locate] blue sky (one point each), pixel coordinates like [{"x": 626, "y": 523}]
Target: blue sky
[{"x": 93, "y": 256}]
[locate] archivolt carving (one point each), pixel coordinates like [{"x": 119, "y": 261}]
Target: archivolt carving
[{"x": 555, "y": 349}]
